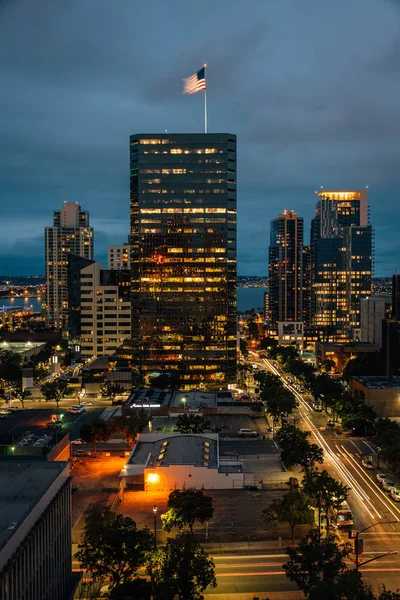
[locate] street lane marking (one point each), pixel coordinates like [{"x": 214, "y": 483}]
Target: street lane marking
[{"x": 372, "y": 450}]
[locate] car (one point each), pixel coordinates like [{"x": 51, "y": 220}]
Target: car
[
  {"x": 244, "y": 397},
  {"x": 82, "y": 453},
  {"x": 317, "y": 407},
  {"x": 330, "y": 423},
  {"x": 79, "y": 407},
  {"x": 247, "y": 433},
  {"x": 388, "y": 485},
  {"x": 3, "y": 416},
  {"x": 5, "y": 411},
  {"x": 54, "y": 425},
  {"x": 86, "y": 403},
  {"x": 367, "y": 463},
  {"x": 78, "y": 441},
  {"x": 76, "y": 411},
  {"x": 380, "y": 477},
  {"x": 14, "y": 407},
  {"x": 395, "y": 493}
]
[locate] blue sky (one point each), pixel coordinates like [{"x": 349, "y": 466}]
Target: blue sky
[{"x": 310, "y": 88}]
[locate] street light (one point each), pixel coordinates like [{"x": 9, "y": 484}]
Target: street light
[
  {"x": 13, "y": 449},
  {"x": 356, "y": 543},
  {"x": 184, "y": 404},
  {"x": 155, "y": 526}
]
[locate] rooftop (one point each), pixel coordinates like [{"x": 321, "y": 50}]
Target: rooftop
[
  {"x": 378, "y": 382},
  {"x": 154, "y": 450},
  {"x": 193, "y": 399},
  {"x": 22, "y": 485}
]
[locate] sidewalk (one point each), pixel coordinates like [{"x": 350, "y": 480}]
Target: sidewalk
[{"x": 292, "y": 595}]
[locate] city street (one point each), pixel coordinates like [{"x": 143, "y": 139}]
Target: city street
[{"x": 368, "y": 502}]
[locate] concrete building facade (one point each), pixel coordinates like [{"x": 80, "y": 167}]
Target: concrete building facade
[
  {"x": 374, "y": 309},
  {"x": 119, "y": 257},
  {"x": 35, "y": 531}
]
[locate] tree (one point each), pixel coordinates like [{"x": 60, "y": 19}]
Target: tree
[
  {"x": 280, "y": 402},
  {"x": 326, "y": 387},
  {"x": 65, "y": 389},
  {"x": 95, "y": 432},
  {"x": 138, "y": 589},
  {"x": 165, "y": 381},
  {"x": 294, "y": 508},
  {"x": 51, "y": 391},
  {"x": 266, "y": 380},
  {"x": 364, "y": 364},
  {"x": 10, "y": 366},
  {"x": 181, "y": 568},
  {"x": 243, "y": 348},
  {"x": 348, "y": 585},
  {"x": 324, "y": 489},
  {"x": 21, "y": 394},
  {"x": 192, "y": 424},
  {"x": 112, "y": 546},
  {"x": 315, "y": 560},
  {"x": 130, "y": 426},
  {"x": 110, "y": 389},
  {"x": 296, "y": 449},
  {"x": 186, "y": 508}
]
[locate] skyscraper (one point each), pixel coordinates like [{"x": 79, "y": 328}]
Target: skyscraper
[
  {"x": 183, "y": 256},
  {"x": 285, "y": 281},
  {"x": 341, "y": 261},
  {"x": 396, "y": 297},
  {"x": 70, "y": 234}
]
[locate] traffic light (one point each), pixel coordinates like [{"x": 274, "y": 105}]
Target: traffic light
[{"x": 359, "y": 546}]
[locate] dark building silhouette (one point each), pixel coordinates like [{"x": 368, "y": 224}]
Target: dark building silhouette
[
  {"x": 183, "y": 256},
  {"x": 75, "y": 266},
  {"x": 396, "y": 297},
  {"x": 285, "y": 265}
]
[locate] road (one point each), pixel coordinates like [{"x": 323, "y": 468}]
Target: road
[{"x": 369, "y": 503}]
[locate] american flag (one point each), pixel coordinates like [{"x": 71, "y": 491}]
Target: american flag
[{"x": 195, "y": 83}]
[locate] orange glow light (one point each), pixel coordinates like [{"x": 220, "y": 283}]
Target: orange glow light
[{"x": 152, "y": 478}]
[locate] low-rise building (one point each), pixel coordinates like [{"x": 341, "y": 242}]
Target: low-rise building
[
  {"x": 166, "y": 462},
  {"x": 35, "y": 530},
  {"x": 341, "y": 352},
  {"x": 382, "y": 393}
]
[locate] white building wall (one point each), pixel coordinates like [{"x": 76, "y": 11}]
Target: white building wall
[{"x": 189, "y": 476}]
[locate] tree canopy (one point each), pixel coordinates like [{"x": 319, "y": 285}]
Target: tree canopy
[
  {"x": 181, "y": 568},
  {"x": 296, "y": 449},
  {"x": 185, "y": 508},
  {"x": 112, "y": 546},
  {"x": 95, "y": 432},
  {"x": 189, "y": 423},
  {"x": 294, "y": 508}
]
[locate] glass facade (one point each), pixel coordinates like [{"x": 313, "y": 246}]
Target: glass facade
[
  {"x": 286, "y": 268},
  {"x": 341, "y": 262},
  {"x": 183, "y": 256}
]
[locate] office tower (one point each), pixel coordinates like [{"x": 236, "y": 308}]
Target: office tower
[
  {"x": 396, "y": 297},
  {"x": 373, "y": 310},
  {"x": 70, "y": 234},
  {"x": 105, "y": 310},
  {"x": 119, "y": 257},
  {"x": 306, "y": 285},
  {"x": 183, "y": 256},
  {"x": 75, "y": 266},
  {"x": 341, "y": 262},
  {"x": 285, "y": 280},
  {"x": 35, "y": 521}
]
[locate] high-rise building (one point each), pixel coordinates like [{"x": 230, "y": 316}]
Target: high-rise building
[
  {"x": 119, "y": 257},
  {"x": 105, "y": 310},
  {"x": 341, "y": 262},
  {"x": 374, "y": 309},
  {"x": 70, "y": 234},
  {"x": 285, "y": 279},
  {"x": 35, "y": 521},
  {"x": 75, "y": 266},
  {"x": 396, "y": 297},
  {"x": 183, "y": 256}
]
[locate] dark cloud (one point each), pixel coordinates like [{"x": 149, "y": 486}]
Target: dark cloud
[{"x": 309, "y": 88}]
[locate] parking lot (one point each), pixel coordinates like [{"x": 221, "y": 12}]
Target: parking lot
[{"x": 228, "y": 424}]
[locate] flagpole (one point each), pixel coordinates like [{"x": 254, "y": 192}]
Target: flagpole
[{"x": 205, "y": 101}]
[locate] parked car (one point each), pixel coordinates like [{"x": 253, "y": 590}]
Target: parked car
[
  {"x": 74, "y": 410},
  {"x": 388, "y": 485},
  {"x": 247, "y": 433},
  {"x": 317, "y": 407},
  {"x": 3, "y": 416},
  {"x": 78, "y": 441},
  {"x": 380, "y": 477},
  {"x": 367, "y": 463},
  {"x": 86, "y": 403},
  {"x": 82, "y": 453},
  {"x": 5, "y": 411},
  {"x": 14, "y": 407},
  {"x": 395, "y": 493},
  {"x": 54, "y": 425}
]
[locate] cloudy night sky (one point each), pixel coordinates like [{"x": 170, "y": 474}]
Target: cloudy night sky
[{"x": 311, "y": 88}]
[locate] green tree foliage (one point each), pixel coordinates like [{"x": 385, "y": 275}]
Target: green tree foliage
[
  {"x": 387, "y": 438},
  {"x": 326, "y": 387},
  {"x": 181, "y": 569},
  {"x": 130, "y": 426},
  {"x": 21, "y": 394},
  {"x": 279, "y": 402},
  {"x": 294, "y": 508},
  {"x": 51, "y": 391},
  {"x": 302, "y": 371},
  {"x": 316, "y": 560},
  {"x": 166, "y": 381},
  {"x": 364, "y": 364},
  {"x": 112, "y": 546},
  {"x": 266, "y": 380},
  {"x": 348, "y": 585},
  {"x": 186, "y": 508},
  {"x": 192, "y": 424},
  {"x": 269, "y": 344},
  {"x": 324, "y": 490},
  {"x": 95, "y": 432},
  {"x": 138, "y": 589},
  {"x": 296, "y": 449},
  {"x": 111, "y": 390},
  {"x": 10, "y": 366},
  {"x": 243, "y": 348}
]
